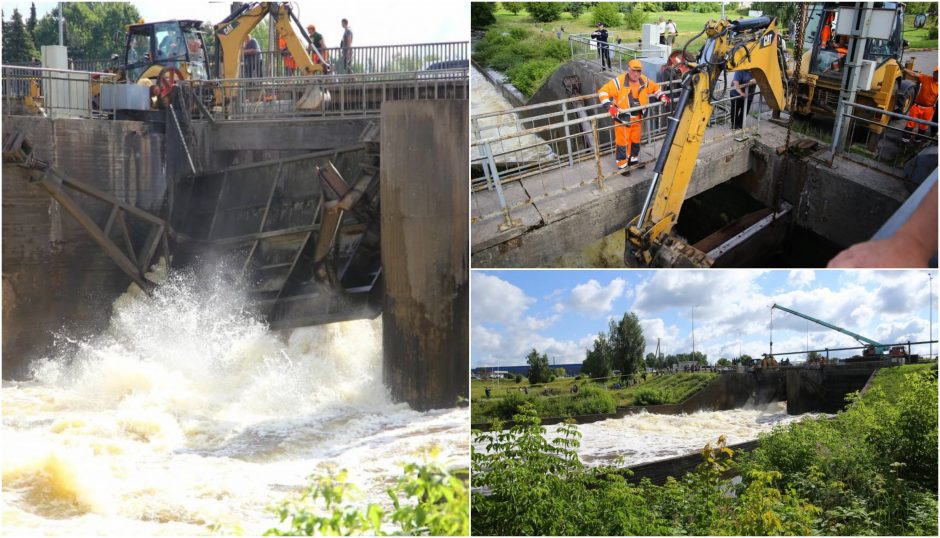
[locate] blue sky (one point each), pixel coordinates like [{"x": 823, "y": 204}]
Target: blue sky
[
  {"x": 374, "y": 22},
  {"x": 559, "y": 312}
]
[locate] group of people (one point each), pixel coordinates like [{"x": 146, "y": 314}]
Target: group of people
[{"x": 317, "y": 51}]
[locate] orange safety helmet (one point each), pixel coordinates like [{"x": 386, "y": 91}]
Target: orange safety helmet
[{"x": 635, "y": 64}]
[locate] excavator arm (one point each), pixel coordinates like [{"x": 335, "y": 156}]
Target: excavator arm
[
  {"x": 750, "y": 44},
  {"x": 232, "y": 30},
  {"x": 879, "y": 348}
]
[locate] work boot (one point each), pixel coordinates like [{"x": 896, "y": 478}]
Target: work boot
[
  {"x": 621, "y": 164},
  {"x": 634, "y": 161}
]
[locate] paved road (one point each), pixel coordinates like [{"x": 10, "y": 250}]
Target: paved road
[{"x": 924, "y": 61}]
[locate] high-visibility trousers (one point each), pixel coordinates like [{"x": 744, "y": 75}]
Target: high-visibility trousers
[
  {"x": 627, "y": 138},
  {"x": 922, "y": 113}
]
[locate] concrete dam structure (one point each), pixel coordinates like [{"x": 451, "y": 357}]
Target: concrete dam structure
[{"x": 307, "y": 214}]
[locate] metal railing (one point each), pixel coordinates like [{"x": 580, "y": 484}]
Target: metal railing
[
  {"x": 361, "y": 60},
  {"x": 908, "y": 346},
  {"x": 851, "y": 112},
  {"x": 51, "y": 92},
  {"x": 522, "y": 142},
  {"x": 584, "y": 48},
  {"x": 327, "y": 96}
]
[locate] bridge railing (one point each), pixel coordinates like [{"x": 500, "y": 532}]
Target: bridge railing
[
  {"x": 51, "y": 92},
  {"x": 909, "y": 347},
  {"x": 522, "y": 142},
  {"x": 327, "y": 96},
  {"x": 582, "y": 47}
]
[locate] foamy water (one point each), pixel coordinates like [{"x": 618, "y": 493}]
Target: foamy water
[
  {"x": 188, "y": 413},
  {"x": 486, "y": 98},
  {"x": 647, "y": 437}
]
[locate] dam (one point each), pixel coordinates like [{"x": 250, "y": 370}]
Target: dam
[{"x": 281, "y": 198}]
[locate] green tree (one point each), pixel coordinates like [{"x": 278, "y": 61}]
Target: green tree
[
  {"x": 32, "y": 20},
  {"x": 482, "y": 14},
  {"x": 89, "y": 28},
  {"x": 723, "y": 362},
  {"x": 607, "y": 13},
  {"x": 575, "y": 9},
  {"x": 545, "y": 11},
  {"x": 746, "y": 360},
  {"x": 784, "y": 11},
  {"x": 513, "y": 7},
  {"x": 17, "y": 43},
  {"x": 560, "y": 372},
  {"x": 814, "y": 356},
  {"x": 627, "y": 344},
  {"x": 597, "y": 361},
  {"x": 539, "y": 371}
]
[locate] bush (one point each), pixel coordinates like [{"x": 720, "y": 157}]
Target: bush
[
  {"x": 606, "y": 13},
  {"x": 529, "y": 76},
  {"x": 482, "y": 14},
  {"x": 932, "y": 33},
  {"x": 649, "y": 7},
  {"x": 588, "y": 400},
  {"x": 545, "y": 11},
  {"x": 575, "y": 9},
  {"x": 518, "y": 378},
  {"x": 703, "y": 7},
  {"x": 651, "y": 397},
  {"x": 513, "y": 7},
  {"x": 435, "y": 503},
  {"x": 635, "y": 19},
  {"x": 508, "y": 406}
]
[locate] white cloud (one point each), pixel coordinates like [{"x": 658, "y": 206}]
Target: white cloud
[
  {"x": 593, "y": 299},
  {"x": 801, "y": 277},
  {"x": 496, "y": 301}
]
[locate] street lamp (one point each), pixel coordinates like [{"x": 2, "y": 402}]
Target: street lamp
[{"x": 693, "y": 331}]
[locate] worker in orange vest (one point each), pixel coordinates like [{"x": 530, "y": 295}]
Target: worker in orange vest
[
  {"x": 290, "y": 65},
  {"x": 625, "y": 91},
  {"x": 925, "y": 104},
  {"x": 316, "y": 40}
]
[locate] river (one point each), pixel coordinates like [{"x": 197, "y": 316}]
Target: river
[
  {"x": 487, "y": 98},
  {"x": 187, "y": 412},
  {"x": 647, "y": 437}
]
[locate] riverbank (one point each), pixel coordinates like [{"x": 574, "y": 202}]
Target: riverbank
[{"x": 871, "y": 469}]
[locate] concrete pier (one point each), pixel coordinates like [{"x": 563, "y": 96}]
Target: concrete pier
[{"x": 424, "y": 251}]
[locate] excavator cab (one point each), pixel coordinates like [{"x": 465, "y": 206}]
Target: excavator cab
[
  {"x": 827, "y": 50},
  {"x": 151, "y": 47}
]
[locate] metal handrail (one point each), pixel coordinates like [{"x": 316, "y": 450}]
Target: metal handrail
[{"x": 51, "y": 92}]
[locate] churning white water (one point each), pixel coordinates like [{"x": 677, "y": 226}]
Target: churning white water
[
  {"x": 647, "y": 437},
  {"x": 486, "y": 98},
  {"x": 187, "y": 413}
]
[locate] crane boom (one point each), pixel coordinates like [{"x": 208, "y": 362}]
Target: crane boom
[{"x": 879, "y": 347}]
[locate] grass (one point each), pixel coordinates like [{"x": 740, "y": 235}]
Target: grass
[
  {"x": 687, "y": 23},
  {"x": 917, "y": 38},
  {"x": 673, "y": 388},
  {"x": 891, "y": 380}
]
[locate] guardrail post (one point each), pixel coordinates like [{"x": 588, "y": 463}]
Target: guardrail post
[
  {"x": 564, "y": 109},
  {"x": 508, "y": 221},
  {"x": 597, "y": 156}
]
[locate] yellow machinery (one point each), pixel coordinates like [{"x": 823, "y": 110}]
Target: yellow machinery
[
  {"x": 750, "y": 44},
  {"x": 823, "y": 63},
  {"x": 231, "y": 33}
]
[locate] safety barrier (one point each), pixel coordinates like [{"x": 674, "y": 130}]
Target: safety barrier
[
  {"x": 584, "y": 48},
  {"x": 328, "y": 96},
  {"x": 852, "y": 112},
  {"x": 51, "y": 92},
  {"x": 522, "y": 142}
]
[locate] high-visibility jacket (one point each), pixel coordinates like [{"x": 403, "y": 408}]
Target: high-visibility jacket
[
  {"x": 289, "y": 61},
  {"x": 927, "y": 96},
  {"x": 626, "y": 94}
]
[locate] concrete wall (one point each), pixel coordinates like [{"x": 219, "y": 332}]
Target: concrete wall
[
  {"x": 425, "y": 233},
  {"x": 659, "y": 471},
  {"x": 54, "y": 277},
  {"x": 824, "y": 389}
]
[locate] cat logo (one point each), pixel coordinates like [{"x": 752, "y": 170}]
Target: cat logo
[{"x": 767, "y": 40}]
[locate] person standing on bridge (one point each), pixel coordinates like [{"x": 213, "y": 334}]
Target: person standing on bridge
[
  {"x": 346, "y": 46},
  {"x": 627, "y": 91},
  {"x": 603, "y": 49},
  {"x": 316, "y": 43},
  {"x": 925, "y": 104}
]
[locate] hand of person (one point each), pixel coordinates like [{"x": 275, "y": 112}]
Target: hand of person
[
  {"x": 897, "y": 251},
  {"x": 613, "y": 111},
  {"x": 665, "y": 99}
]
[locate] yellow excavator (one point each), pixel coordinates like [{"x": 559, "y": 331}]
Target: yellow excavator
[
  {"x": 231, "y": 32},
  {"x": 748, "y": 44},
  {"x": 823, "y": 62}
]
